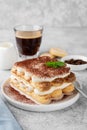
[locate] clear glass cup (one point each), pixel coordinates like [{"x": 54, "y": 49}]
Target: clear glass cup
[{"x": 28, "y": 40}]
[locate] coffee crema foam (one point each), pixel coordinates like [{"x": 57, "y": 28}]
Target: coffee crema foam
[{"x": 28, "y": 35}]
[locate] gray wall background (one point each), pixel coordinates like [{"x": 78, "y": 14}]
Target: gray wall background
[{"x": 61, "y": 13}]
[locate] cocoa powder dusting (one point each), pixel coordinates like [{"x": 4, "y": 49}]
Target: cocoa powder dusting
[{"x": 38, "y": 67}]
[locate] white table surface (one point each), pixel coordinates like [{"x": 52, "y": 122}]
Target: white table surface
[{"x": 74, "y": 41}]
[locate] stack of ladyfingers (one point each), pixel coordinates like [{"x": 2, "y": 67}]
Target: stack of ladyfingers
[{"x": 41, "y": 83}]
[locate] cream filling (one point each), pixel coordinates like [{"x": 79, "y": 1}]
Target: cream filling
[
  {"x": 36, "y": 91},
  {"x": 22, "y": 83},
  {"x": 28, "y": 75},
  {"x": 20, "y": 70},
  {"x": 16, "y": 78},
  {"x": 53, "y": 88},
  {"x": 37, "y": 79}
]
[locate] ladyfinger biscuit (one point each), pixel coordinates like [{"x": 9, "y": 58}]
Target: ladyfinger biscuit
[
  {"x": 68, "y": 89},
  {"x": 47, "y": 54},
  {"x": 57, "y": 52}
]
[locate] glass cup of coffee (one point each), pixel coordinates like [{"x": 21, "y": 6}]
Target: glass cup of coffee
[{"x": 28, "y": 40}]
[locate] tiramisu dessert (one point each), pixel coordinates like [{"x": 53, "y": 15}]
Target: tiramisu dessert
[{"x": 42, "y": 79}]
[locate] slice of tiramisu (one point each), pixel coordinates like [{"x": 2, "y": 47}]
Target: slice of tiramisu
[{"x": 42, "y": 79}]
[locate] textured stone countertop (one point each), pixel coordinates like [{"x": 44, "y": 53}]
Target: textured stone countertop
[{"x": 74, "y": 41}]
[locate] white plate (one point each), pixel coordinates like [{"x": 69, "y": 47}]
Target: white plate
[
  {"x": 13, "y": 98},
  {"x": 76, "y": 67}
]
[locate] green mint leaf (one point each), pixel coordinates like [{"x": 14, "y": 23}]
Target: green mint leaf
[{"x": 55, "y": 64}]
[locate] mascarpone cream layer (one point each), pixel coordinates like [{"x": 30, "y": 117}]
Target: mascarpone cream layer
[
  {"x": 37, "y": 79},
  {"x": 36, "y": 91},
  {"x": 34, "y": 78},
  {"x": 52, "y": 89},
  {"x": 21, "y": 82}
]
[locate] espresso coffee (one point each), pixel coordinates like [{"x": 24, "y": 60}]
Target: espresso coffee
[{"x": 28, "y": 43}]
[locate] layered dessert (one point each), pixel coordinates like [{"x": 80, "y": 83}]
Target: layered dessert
[{"x": 40, "y": 82}]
